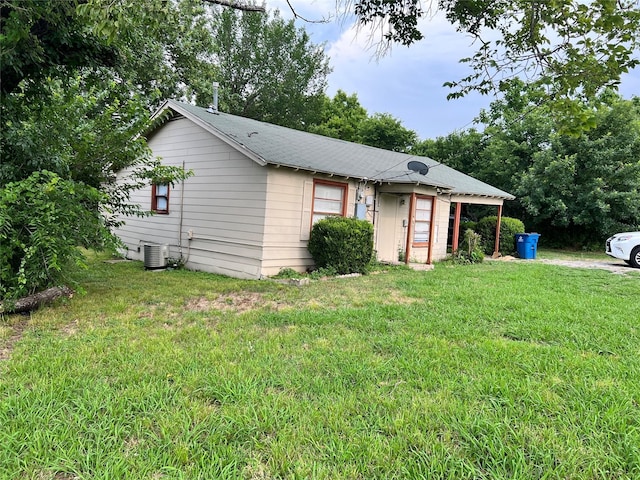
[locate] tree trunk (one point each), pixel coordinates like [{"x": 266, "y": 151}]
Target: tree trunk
[{"x": 31, "y": 302}]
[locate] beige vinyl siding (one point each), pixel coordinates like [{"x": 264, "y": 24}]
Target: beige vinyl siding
[
  {"x": 214, "y": 254},
  {"x": 224, "y": 204},
  {"x": 154, "y": 229},
  {"x": 288, "y": 218}
]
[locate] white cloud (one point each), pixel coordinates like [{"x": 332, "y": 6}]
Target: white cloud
[{"x": 408, "y": 82}]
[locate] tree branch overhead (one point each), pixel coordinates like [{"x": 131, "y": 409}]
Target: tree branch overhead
[{"x": 245, "y": 7}]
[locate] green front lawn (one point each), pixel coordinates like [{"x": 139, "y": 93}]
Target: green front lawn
[{"x": 500, "y": 370}]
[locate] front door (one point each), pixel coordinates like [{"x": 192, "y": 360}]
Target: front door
[{"x": 391, "y": 227}]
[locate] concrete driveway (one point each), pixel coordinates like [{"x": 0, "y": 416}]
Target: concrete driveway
[{"x": 614, "y": 266}]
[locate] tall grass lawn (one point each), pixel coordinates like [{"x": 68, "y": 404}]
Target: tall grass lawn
[{"x": 502, "y": 370}]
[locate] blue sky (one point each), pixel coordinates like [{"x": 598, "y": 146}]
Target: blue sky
[{"x": 407, "y": 82}]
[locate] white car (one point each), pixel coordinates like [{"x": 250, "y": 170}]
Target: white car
[{"x": 625, "y": 246}]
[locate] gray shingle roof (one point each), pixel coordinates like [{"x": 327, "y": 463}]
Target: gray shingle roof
[{"x": 276, "y": 145}]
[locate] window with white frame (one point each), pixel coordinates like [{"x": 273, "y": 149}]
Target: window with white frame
[
  {"x": 329, "y": 198},
  {"x": 160, "y": 198},
  {"x": 422, "y": 226}
]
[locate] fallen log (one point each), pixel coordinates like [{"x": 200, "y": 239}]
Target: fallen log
[{"x": 31, "y": 302}]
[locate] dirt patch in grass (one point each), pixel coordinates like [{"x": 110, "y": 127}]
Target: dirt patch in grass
[
  {"x": 70, "y": 329},
  {"x": 233, "y": 302},
  {"x": 65, "y": 476},
  {"x": 18, "y": 331},
  {"x": 240, "y": 302},
  {"x": 49, "y": 475},
  {"x": 257, "y": 471}
]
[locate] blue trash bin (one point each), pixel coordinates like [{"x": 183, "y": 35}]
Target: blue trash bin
[{"x": 527, "y": 245}]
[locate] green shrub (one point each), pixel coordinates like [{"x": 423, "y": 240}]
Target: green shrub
[
  {"x": 468, "y": 225},
  {"x": 469, "y": 251},
  {"x": 342, "y": 244},
  {"x": 464, "y": 226},
  {"x": 486, "y": 227},
  {"x": 323, "y": 272},
  {"x": 43, "y": 219},
  {"x": 287, "y": 273}
]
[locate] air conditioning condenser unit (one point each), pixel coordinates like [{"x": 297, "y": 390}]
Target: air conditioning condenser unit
[{"x": 155, "y": 256}]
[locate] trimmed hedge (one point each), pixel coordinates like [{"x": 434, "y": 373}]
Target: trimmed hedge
[
  {"x": 486, "y": 227},
  {"x": 342, "y": 244}
]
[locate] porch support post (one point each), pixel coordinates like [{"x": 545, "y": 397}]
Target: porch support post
[
  {"x": 456, "y": 228},
  {"x": 410, "y": 228},
  {"x": 432, "y": 227},
  {"x": 496, "y": 250}
]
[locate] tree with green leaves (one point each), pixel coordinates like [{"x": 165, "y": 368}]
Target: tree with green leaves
[
  {"x": 575, "y": 190},
  {"x": 382, "y": 130},
  {"x": 269, "y": 70},
  {"x": 580, "y": 190},
  {"x": 74, "y": 105},
  {"x": 343, "y": 117},
  {"x": 60, "y": 154},
  {"x": 32, "y": 34},
  {"x": 340, "y": 117},
  {"x": 572, "y": 49},
  {"x": 460, "y": 150},
  {"x": 80, "y": 80}
]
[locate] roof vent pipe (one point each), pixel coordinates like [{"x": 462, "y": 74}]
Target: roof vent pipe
[
  {"x": 213, "y": 108},
  {"x": 215, "y": 96}
]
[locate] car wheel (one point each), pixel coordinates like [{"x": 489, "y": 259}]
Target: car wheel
[{"x": 634, "y": 260}]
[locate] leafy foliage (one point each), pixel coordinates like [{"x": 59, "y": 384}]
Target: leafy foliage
[
  {"x": 42, "y": 221},
  {"x": 73, "y": 117},
  {"x": 401, "y": 16},
  {"x": 466, "y": 225},
  {"x": 79, "y": 82},
  {"x": 486, "y": 227},
  {"x": 32, "y": 33},
  {"x": 572, "y": 49},
  {"x": 340, "y": 117},
  {"x": 575, "y": 190},
  {"x": 342, "y": 244},
  {"x": 588, "y": 186},
  {"x": 287, "y": 273},
  {"x": 343, "y": 117},
  {"x": 470, "y": 250},
  {"x": 383, "y": 131},
  {"x": 269, "y": 69}
]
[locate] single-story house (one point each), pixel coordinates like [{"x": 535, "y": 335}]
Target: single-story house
[{"x": 258, "y": 188}]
